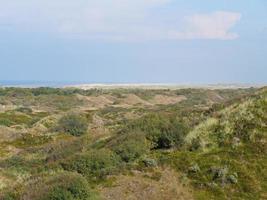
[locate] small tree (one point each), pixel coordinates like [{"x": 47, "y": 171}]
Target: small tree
[{"x": 73, "y": 124}]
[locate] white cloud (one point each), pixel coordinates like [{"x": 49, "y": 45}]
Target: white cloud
[
  {"x": 115, "y": 20},
  {"x": 216, "y": 25}
]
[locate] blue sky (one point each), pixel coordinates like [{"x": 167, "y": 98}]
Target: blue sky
[{"x": 171, "y": 41}]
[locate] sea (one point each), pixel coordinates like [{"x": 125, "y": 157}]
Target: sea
[{"x": 36, "y": 84}]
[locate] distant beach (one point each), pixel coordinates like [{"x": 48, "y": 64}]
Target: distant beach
[{"x": 88, "y": 86}]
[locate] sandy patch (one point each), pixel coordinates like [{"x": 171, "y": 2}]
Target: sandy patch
[
  {"x": 166, "y": 100},
  {"x": 10, "y": 134},
  {"x": 132, "y": 100},
  {"x": 97, "y": 102}
]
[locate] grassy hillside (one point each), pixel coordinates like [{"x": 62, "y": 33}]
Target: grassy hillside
[
  {"x": 225, "y": 156},
  {"x": 132, "y": 144}
]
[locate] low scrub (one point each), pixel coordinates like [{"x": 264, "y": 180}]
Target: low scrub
[
  {"x": 163, "y": 131},
  {"x": 63, "y": 186},
  {"x": 73, "y": 124},
  {"x": 95, "y": 165},
  {"x": 130, "y": 146}
]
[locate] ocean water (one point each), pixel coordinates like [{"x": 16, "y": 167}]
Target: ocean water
[{"x": 34, "y": 84}]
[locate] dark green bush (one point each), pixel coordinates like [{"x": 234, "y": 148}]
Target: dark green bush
[
  {"x": 6, "y": 122},
  {"x": 149, "y": 162},
  {"x": 61, "y": 186},
  {"x": 59, "y": 193},
  {"x": 73, "y": 124},
  {"x": 195, "y": 144},
  {"x": 9, "y": 196},
  {"x": 26, "y": 110},
  {"x": 162, "y": 130},
  {"x": 94, "y": 165},
  {"x": 131, "y": 146},
  {"x": 68, "y": 187}
]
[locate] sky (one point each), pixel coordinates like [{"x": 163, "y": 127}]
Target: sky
[{"x": 134, "y": 41}]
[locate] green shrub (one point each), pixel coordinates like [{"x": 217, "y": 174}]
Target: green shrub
[
  {"x": 28, "y": 140},
  {"x": 59, "y": 193},
  {"x": 94, "y": 165},
  {"x": 149, "y": 162},
  {"x": 26, "y": 110},
  {"x": 9, "y": 196},
  {"x": 69, "y": 188},
  {"x": 73, "y": 124},
  {"x": 6, "y": 122},
  {"x": 62, "y": 186},
  {"x": 66, "y": 148},
  {"x": 131, "y": 146},
  {"x": 162, "y": 130},
  {"x": 195, "y": 144},
  {"x": 12, "y": 118}
]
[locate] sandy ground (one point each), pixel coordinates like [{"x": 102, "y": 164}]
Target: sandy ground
[{"x": 162, "y": 86}]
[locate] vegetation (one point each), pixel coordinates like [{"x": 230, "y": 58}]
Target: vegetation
[
  {"x": 62, "y": 186},
  {"x": 73, "y": 124},
  {"x": 95, "y": 165},
  {"x": 90, "y": 144},
  {"x": 163, "y": 131},
  {"x": 130, "y": 146}
]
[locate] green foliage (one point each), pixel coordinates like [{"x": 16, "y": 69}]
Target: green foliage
[
  {"x": 19, "y": 162},
  {"x": 223, "y": 173},
  {"x": 246, "y": 122},
  {"x": 5, "y": 122},
  {"x": 66, "y": 148},
  {"x": 61, "y": 186},
  {"x": 13, "y": 118},
  {"x": 23, "y": 117},
  {"x": 95, "y": 165},
  {"x": 130, "y": 146},
  {"x": 9, "y": 196},
  {"x": 16, "y": 92},
  {"x": 28, "y": 140},
  {"x": 149, "y": 162},
  {"x": 58, "y": 102},
  {"x": 68, "y": 187},
  {"x": 25, "y": 110},
  {"x": 225, "y": 131},
  {"x": 162, "y": 130},
  {"x": 73, "y": 124}
]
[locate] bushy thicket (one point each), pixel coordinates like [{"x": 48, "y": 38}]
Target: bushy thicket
[
  {"x": 130, "y": 146},
  {"x": 12, "y": 91},
  {"x": 162, "y": 130},
  {"x": 68, "y": 187},
  {"x": 225, "y": 171},
  {"x": 62, "y": 186},
  {"x": 245, "y": 122},
  {"x": 95, "y": 164},
  {"x": 73, "y": 124}
]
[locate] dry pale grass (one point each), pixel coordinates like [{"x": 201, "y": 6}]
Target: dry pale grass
[
  {"x": 96, "y": 102},
  {"x": 166, "y": 100},
  {"x": 128, "y": 101},
  {"x": 141, "y": 186},
  {"x": 132, "y": 99},
  {"x": 10, "y": 134}
]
